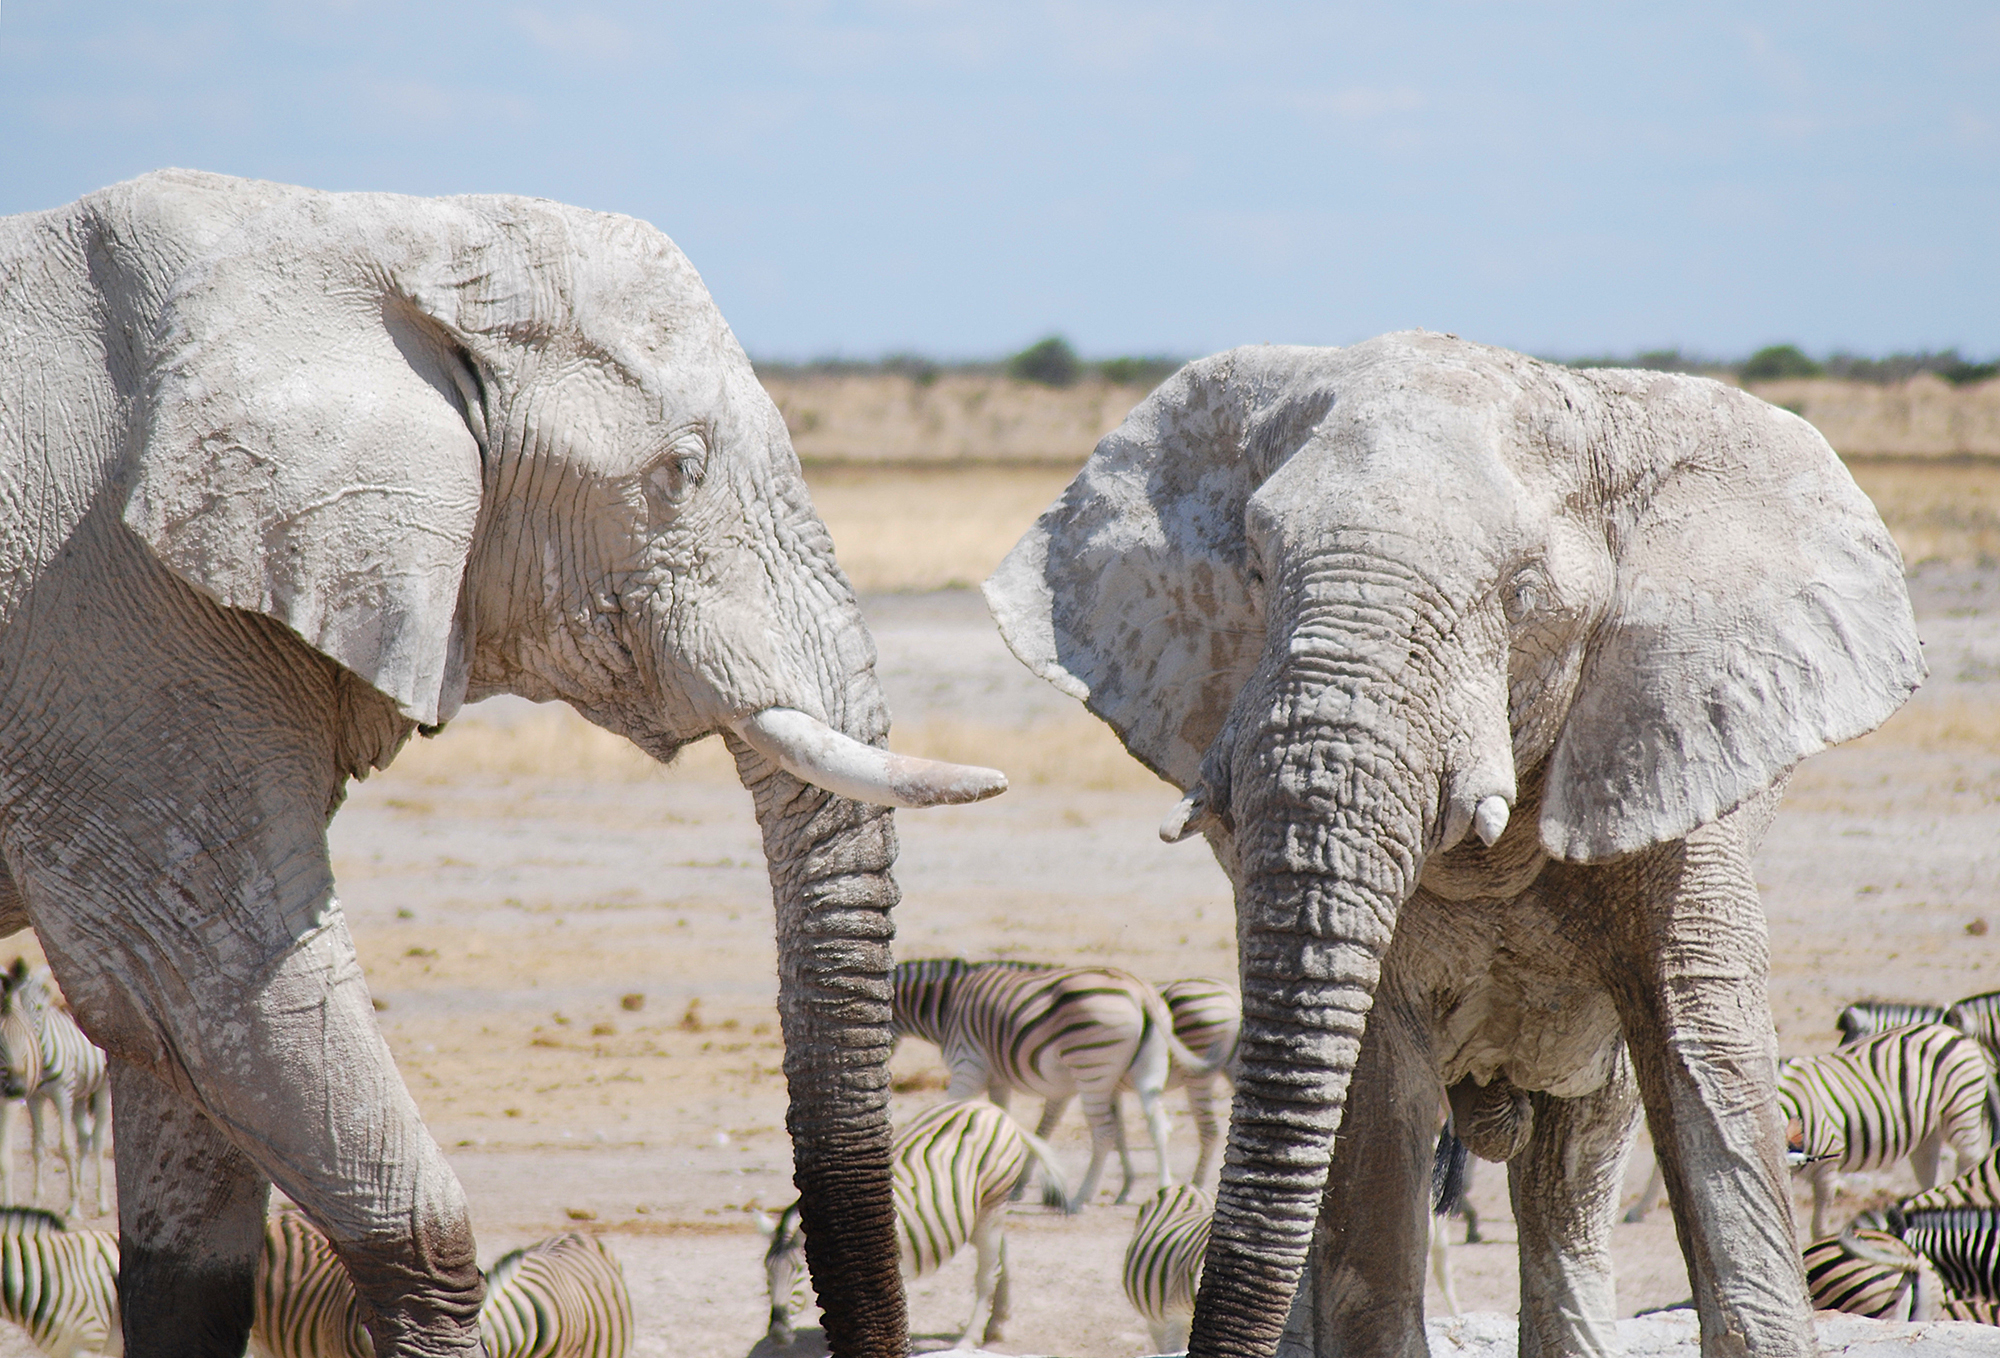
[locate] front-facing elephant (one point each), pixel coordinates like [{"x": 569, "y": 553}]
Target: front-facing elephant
[
  {"x": 1483, "y": 678},
  {"x": 289, "y": 475}
]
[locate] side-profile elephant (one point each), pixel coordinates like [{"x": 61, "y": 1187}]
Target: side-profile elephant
[
  {"x": 1360, "y": 602},
  {"x": 289, "y": 475}
]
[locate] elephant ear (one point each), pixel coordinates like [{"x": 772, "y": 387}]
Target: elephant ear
[
  {"x": 307, "y": 452},
  {"x": 1758, "y": 616},
  {"x": 1130, "y": 591}
]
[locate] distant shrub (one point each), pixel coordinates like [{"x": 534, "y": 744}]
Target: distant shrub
[
  {"x": 916, "y": 367},
  {"x": 1778, "y": 361},
  {"x": 1902, "y": 367},
  {"x": 1137, "y": 372},
  {"x": 1050, "y": 362}
]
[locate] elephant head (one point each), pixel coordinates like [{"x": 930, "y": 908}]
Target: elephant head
[
  {"x": 467, "y": 446},
  {"x": 1360, "y": 602}
]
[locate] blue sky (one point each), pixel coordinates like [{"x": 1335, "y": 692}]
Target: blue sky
[{"x": 961, "y": 178}]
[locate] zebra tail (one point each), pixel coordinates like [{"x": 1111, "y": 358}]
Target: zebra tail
[
  {"x": 1448, "y": 1175},
  {"x": 1055, "y": 1189},
  {"x": 1159, "y": 1015},
  {"x": 1850, "y": 1241}
]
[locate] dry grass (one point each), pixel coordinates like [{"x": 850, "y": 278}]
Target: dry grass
[
  {"x": 1955, "y": 727},
  {"x": 921, "y": 528},
  {"x": 1938, "y": 511}
]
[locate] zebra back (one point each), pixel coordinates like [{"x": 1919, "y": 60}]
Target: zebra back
[
  {"x": 564, "y": 1297},
  {"x": 1962, "y": 1242},
  {"x": 1208, "y": 1017},
  {"x": 1977, "y": 1187},
  {"x": 1870, "y": 1273},
  {"x": 31, "y": 1220},
  {"x": 952, "y": 1166},
  {"x": 1869, "y": 1104},
  {"x": 61, "y": 1287},
  {"x": 305, "y": 1305},
  {"x": 1163, "y": 1263},
  {"x": 1865, "y": 1018}
]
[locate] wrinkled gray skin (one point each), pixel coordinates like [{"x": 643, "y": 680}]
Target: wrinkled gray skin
[
  {"x": 287, "y": 474},
  {"x": 1356, "y": 600}
]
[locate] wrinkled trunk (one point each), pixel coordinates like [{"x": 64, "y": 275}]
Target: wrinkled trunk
[
  {"x": 1327, "y": 788},
  {"x": 830, "y": 862}
]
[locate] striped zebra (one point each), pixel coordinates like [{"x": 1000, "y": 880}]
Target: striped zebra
[
  {"x": 60, "y": 1286},
  {"x": 1865, "y": 1018},
  {"x": 1979, "y": 1017},
  {"x": 46, "y": 1060},
  {"x": 1962, "y": 1243},
  {"x": 1061, "y": 1033},
  {"x": 564, "y": 1297},
  {"x": 1867, "y": 1272},
  {"x": 1162, "y": 1271},
  {"x": 1906, "y": 1092},
  {"x": 952, "y": 1170},
  {"x": 1207, "y": 1018}
]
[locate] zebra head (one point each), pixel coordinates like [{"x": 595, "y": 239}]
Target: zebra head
[
  {"x": 785, "y": 1272},
  {"x": 20, "y": 1033}
]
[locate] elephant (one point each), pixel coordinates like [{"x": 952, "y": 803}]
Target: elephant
[
  {"x": 1482, "y": 678},
  {"x": 290, "y": 476}
]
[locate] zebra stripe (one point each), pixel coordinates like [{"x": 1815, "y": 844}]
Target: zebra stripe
[
  {"x": 1903, "y": 1093},
  {"x": 1872, "y": 1273},
  {"x": 46, "y": 1060},
  {"x": 1208, "y": 1018},
  {"x": 1865, "y": 1018},
  {"x": 1060, "y": 1033},
  {"x": 952, "y": 1170},
  {"x": 1978, "y": 1310},
  {"x": 564, "y": 1297},
  {"x": 306, "y": 1306},
  {"x": 559, "y": 1298},
  {"x": 1962, "y": 1242},
  {"x": 1979, "y": 1017},
  {"x": 1162, "y": 1271},
  {"x": 62, "y": 1288}
]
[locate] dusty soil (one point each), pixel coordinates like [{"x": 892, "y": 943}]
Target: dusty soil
[{"x": 573, "y": 953}]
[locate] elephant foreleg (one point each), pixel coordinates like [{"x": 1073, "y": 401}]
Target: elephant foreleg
[
  {"x": 1687, "y": 971},
  {"x": 190, "y": 1225},
  {"x": 1564, "y": 1189}
]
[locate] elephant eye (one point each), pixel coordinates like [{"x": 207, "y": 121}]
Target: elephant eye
[
  {"x": 1524, "y": 596},
  {"x": 680, "y": 469}
]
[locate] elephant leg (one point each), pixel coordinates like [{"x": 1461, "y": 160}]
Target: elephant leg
[
  {"x": 1564, "y": 1188},
  {"x": 190, "y": 1225},
  {"x": 1363, "y": 1293},
  {"x": 1688, "y": 958}
]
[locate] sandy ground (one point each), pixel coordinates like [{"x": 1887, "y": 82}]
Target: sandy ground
[{"x": 572, "y": 950}]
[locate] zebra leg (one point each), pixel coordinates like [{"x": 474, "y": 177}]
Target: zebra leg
[
  {"x": 1649, "y": 1196},
  {"x": 1201, "y": 1096},
  {"x": 34, "y": 1104},
  {"x": 1565, "y": 1189},
  {"x": 100, "y": 1123},
  {"x": 1053, "y": 1109},
  {"x": 7, "y": 1152},
  {"x": 983, "y": 1321},
  {"x": 1825, "y": 1178},
  {"x": 1153, "y": 1104},
  {"x": 1100, "y": 1110},
  {"x": 70, "y": 1110},
  {"x": 1124, "y": 1151},
  {"x": 1003, "y": 1306},
  {"x": 1924, "y": 1158},
  {"x": 191, "y": 1225},
  {"x": 1441, "y": 1263}
]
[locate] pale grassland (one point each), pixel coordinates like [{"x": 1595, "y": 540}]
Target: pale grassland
[
  {"x": 921, "y": 528},
  {"x": 1075, "y": 751},
  {"x": 1938, "y": 511},
  {"x": 1949, "y": 727}
]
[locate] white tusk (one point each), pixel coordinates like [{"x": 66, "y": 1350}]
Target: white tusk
[
  {"x": 810, "y": 750},
  {"x": 1490, "y": 819},
  {"x": 1189, "y": 816}
]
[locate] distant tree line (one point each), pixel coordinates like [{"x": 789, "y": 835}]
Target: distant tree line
[{"x": 1052, "y": 362}]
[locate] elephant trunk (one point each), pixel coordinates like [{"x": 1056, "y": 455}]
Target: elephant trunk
[{"x": 830, "y": 862}]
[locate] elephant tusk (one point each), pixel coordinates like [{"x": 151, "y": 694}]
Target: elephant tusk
[
  {"x": 810, "y": 750},
  {"x": 1190, "y": 816},
  {"x": 1490, "y": 819}
]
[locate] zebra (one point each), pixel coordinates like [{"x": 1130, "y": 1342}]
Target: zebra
[
  {"x": 564, "y": 1297},
  {"x": 46, "y": 1059},
  {"x": 953, "y": 1168},
  {"x": 1979, "y": 1017},
  {"x": 1902, "y": 1093},
  {"x": 1869, "y": 1272},
  {"x": 1059, "y": 1032},
  {"x": 1207, "y": 1018},
  {"x": 1865, "y": 1018},
  {"x": 1162, "y": 1271},
  {"x": 60, "y": 1286}
]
